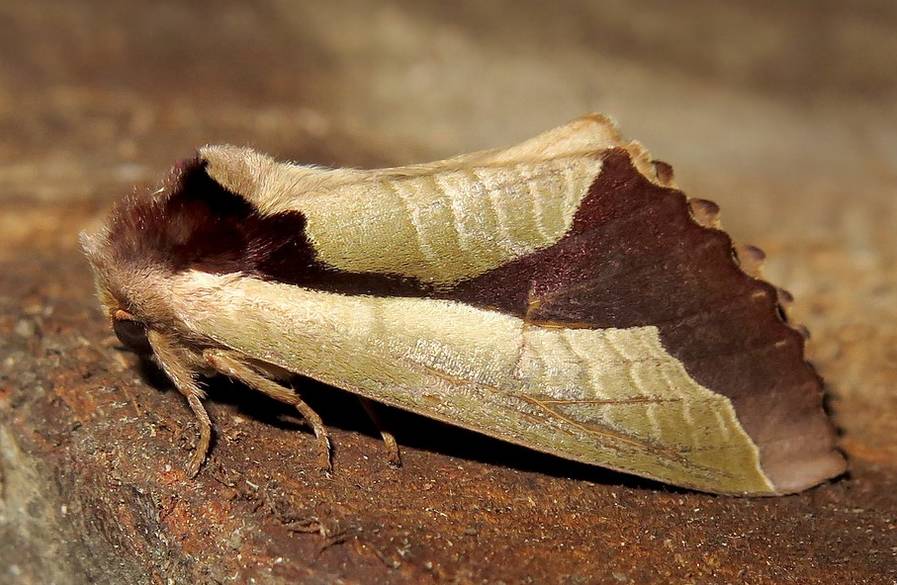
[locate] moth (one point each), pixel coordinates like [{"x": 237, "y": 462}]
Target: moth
[{"x": 560, "y": 294}]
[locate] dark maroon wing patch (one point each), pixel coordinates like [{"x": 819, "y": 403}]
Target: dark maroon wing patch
[{"x": 635, "y": 257}]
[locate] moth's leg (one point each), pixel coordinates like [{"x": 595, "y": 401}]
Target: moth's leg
[
  {"x": 229, "y": 364},
  {"x": 176, "y": 366},
  {"x": 205, "y": 434},
  {"x": 389, "y": 440}
]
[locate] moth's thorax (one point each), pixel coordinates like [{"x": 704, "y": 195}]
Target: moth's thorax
[{"x": 150, "y": 238}]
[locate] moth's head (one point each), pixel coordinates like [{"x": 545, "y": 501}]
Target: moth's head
[{"x": 128, "y": 310}]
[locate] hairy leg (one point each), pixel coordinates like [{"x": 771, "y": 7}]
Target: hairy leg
[
  {"x": 389, "y": 441},
  {"x": 177, "y": 367},
  {"x": 230, "y": 364}
]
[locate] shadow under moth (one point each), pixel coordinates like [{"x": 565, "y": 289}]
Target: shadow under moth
[{"x": 560, "y": 294}]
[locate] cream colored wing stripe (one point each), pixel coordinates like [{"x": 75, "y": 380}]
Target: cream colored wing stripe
[
  {"x": 429, "y": 254},
  {"x": 393, "y": 349},
  {"x": 493, "y": 200}
]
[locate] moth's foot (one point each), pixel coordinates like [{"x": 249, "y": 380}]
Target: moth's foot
[
  {"x": 232, "y": 364},
  {"x": 325, "y": 464},
  {"x": 389, "y": 440},
  {"x": 205, "y": 435},
  {"x": 393, "y": 456},
  {"x": 194, "y": 463}
]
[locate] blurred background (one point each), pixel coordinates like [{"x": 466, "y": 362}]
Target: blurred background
[
  {"x": 783, "y": 113},
  {"x": 97, "y": 93}
]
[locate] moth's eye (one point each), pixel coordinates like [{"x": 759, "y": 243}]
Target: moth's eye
[{"x": 132, "y": 333}]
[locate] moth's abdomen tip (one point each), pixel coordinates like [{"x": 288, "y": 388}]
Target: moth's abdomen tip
[{"x": 798, "y": 474}]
